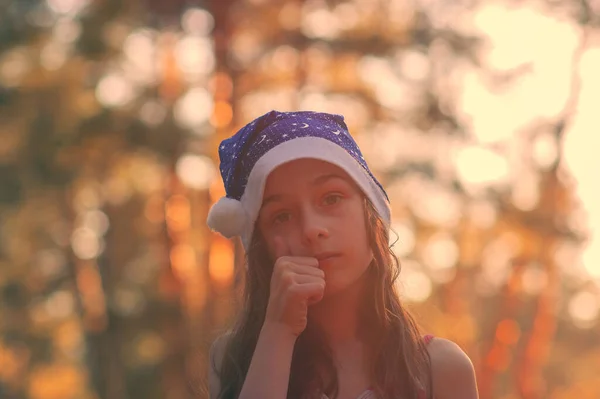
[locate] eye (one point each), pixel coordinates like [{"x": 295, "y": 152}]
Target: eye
[
  {"x": 281, "y": 217},
  {"x": 332, "y": 199}
]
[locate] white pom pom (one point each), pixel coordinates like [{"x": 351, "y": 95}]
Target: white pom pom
[{"x": 227, "y": 217}]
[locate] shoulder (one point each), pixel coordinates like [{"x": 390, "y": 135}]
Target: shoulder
[{"x": 452, "y": 372}]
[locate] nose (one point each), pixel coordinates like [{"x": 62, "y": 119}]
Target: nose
[{"x": 314, "y": 227}]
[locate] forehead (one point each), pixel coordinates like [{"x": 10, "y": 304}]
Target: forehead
[{"x": 295, "y": 174}]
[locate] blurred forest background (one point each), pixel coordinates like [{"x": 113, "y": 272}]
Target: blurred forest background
[{"x": 480, "y": 117}]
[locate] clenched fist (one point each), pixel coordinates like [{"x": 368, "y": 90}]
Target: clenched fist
[{"x": 296, "y": 283}]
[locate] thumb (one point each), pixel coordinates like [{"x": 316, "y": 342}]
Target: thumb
[{"x": 280, "y": 247}]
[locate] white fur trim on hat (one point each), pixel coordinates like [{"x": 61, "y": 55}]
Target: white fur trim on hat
[{"x": 227, "y": 217}]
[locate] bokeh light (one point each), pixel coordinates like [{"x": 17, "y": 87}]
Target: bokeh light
[
  {"x": 480, "y": 168},
  {"x": 221, "y": 262},
  {"x": 526, "y": 190},
  {"x": 183, "y": 261},
  {"x": 414, "y": 285},
  {"x": 584, "y": 308},
  {"x": 441, "y": 255},
  {"x": 66, "y": 30},
  {"x": 403, "y": 239},
  {"x": 195, "y": 57},
  {"x": 95, "y": 220},
  {"x": 196, "y": 171},
  {"x": 194, "y": 108},
  {"x": 115, "y": 90},
  {"x": 197, "y": 21},
  {"x": 67, "y": 7},
  {"x": 86, "y": 243},
  {"x": 53, "y": 56},
  {"x": 14, "y": 65},
  {"x": 535, "y": 279},
  {"x": 545, "y": 150},
  {"x": 153, "y": 113},
  {"x": 140, "y": 57}
]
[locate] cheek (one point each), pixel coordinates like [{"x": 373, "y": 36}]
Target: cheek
[
  {"x": 362, "y": 247},
  {"x": 356, "y": 225},
  {"x": 290, "y": 239},
  {"x": 364, "y": 254}
]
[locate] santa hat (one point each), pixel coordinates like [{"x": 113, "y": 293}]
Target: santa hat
[{"x": 248, "y": 157}]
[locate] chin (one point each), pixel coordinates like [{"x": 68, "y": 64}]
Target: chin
[
  {"x": 330, "y": 291},
  {"x": 333, "y": 289}
]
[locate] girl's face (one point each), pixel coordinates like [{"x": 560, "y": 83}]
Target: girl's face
[{"x": 318, "y": 211}]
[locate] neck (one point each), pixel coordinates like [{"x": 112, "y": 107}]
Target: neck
[{"x": 338, "y": 314}]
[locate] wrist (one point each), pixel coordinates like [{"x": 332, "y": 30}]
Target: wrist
[
  {"x": 279, "y": 332},
  {"x": 271, "y": 362}
]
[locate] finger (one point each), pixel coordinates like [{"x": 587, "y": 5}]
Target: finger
[
  {"x": 314, "y": 299},
  {"x": 280, "y": 247},
  {"x": 287, "y": 264},
  {"x": 309, "y": 290},
  {"x": 308, "y": 279},
  {"x": 312, "y": 292},
  {"x": 303, "y": 260}
]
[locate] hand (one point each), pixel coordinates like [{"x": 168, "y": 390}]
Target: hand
[{"x": 296, "y": 283}]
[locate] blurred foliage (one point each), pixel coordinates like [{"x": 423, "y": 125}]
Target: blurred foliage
[{"x": 110, "y": 113}]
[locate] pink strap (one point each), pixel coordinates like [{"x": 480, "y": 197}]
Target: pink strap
[{"x": 427, "y": 339}]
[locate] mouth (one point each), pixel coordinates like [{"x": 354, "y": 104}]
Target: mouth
[{"x": 326, "y": 256}]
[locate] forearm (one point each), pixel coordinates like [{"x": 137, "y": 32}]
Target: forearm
[{"x": 269, "y": 372}]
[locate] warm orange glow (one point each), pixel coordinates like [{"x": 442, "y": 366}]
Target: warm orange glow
[
  {"x": 13, "y": 362},
  {"x": 508, "y": 332},
  {"x": 216, "y": 190},
  {"x": 222, "y": 114},
  {"x": 195, "y": 171},
  {"x": 178, "y": 213},
  {"x": 154, "y": 210},
  {"x": 171, "y": 85},
  {"x": 221, "y": 86},
  {"x": 498, "y": 358},
  {"x": 56, "y": 382},
  {"x": 195, "y": 297},
  {"x": 463, "y": 328},
  {"x": 183, "y": 261},
  {"x": 89, "y": 285},
  {"x": 150, "y": 348},
  {"x": 88, "y": 280},
  {"x": 221, "y": 261},
  {"x": 68, "y": 336}
]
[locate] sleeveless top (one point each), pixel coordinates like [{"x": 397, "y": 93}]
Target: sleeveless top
[{"x": 369, "y": 394}]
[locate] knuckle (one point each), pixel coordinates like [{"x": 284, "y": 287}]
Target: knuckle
[
  {"x": 281, "y": 265},
  {"x": 287, "y": 278},
  {"x": 283, "y": 259}
]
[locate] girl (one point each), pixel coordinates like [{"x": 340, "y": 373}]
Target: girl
[{"x": 321, "y": 317}]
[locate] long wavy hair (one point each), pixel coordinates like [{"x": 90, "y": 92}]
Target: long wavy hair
[{"x": 399, "y": 363}]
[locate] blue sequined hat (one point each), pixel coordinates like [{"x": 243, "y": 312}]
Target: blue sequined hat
[{"x": 248, "y": 157}]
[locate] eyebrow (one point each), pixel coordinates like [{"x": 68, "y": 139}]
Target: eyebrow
[
  {"x": 318, "y": 181},
  {"x": 325, "y": 178}
]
